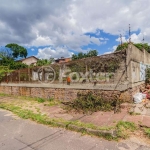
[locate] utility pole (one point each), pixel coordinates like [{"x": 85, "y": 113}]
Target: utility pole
[
  {"x": 129, "y": 34},
  {"x": 120, "y": 39},
  {"x": 143, "y": 39}
]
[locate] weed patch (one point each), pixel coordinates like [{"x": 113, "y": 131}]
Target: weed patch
[
  {"x": 48, "y": 102},
  {"x": 3, "y": 94},
  {"x": 133, "y": 113},
  {"x": 124, "y": 128},
  {"x": 147, "y": 132},
  {"x": 40, "y": 100},
  {"x": 91, "y": 103}
]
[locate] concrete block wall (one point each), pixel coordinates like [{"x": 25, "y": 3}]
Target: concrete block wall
[
  {"x": 137, "y": 61},
  {"x": 127, "y": 75},
  {"x": 63, "y": 94}
]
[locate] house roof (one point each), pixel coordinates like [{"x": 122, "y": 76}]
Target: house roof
[
  {"x": 63, "y": 58},
  {"x": 28, "y": 58}
]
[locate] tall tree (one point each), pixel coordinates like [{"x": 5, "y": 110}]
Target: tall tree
[
  {"x": 74, "y": 57},
  {"x": 92, "y": 53},
  {"x": 5, "y": 53},
  {"x": 7, "y": 60},
  {"x": 17, "y": 50},
  {"x": 3, "y": 71},
  {"x": 81, "y": 55}
]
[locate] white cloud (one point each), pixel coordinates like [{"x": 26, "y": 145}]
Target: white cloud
[
  {"x": 108, "y": 52},
  {"x": 32, "y": 49},
  {"x": 42, "y": 41},
  {"x": 49, "y": 52},
  {"x": 124, "y": 39},
  {"x": 114, "y": 48},
  {"x": 111, "y": 17},
  {"x": 136, "y": 38},
  {"x": 111, "y": 50},
  {"x": 60, "y": 23}
]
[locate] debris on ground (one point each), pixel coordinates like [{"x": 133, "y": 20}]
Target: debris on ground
[
  {"x": 138, "y": 97},
  {"x": 143, "y": 95}
]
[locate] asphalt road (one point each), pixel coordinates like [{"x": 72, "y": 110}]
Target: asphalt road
[{"x": 19, "y": 134}]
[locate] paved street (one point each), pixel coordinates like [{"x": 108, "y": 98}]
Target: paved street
[{"x": 18, "y": 134}]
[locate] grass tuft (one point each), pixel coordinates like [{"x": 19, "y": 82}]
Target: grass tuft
[
  {"x": 147, "y": 132},
  {"x": 124, "y": 128}
]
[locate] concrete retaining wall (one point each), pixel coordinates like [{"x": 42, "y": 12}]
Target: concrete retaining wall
[
  {"x": 65, "y": 94},
  {"x": 128, "y": 79}
]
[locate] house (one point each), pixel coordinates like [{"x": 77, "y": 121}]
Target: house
[
  {"x": 32, "y": 60},
  {"x": 62, "y": 60}
]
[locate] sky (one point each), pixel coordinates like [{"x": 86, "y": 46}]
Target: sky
[{"x": 60, "y": 28}]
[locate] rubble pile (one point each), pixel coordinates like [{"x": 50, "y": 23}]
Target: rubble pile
[{"x": 143, "y": 95}]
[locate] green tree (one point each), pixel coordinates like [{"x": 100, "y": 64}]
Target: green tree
[
  {"x": 11, "y": 64},
  {"x": 74, "y": 57},
  {"x": 81, "y": 55},
  {"x": 17, "y": 50},
  {"x": 3, "y": 71},
  {"x": 5, "y": 53},
  {"x": 138, "y": 45},
  {"x": 7, "y": 61},
  {"x": 42, "y": 62},
  {"x": 92, "y": 53},
  {"x": 121, "y": 47},
  {"x": 142, "y": 46}
]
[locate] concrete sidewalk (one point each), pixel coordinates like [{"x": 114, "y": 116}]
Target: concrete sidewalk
[
  {"x": 19, "y": 134},
  {"x": 137, "y": 113}
]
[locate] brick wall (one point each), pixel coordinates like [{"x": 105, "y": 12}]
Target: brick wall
[{"x": 62, "y": 93}]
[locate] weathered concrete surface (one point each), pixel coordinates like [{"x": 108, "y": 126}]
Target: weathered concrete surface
[
  {"x": 90, "y": 86},
  {"x": 65, "y": 92},
  {"x": 141, "y": 114},
  {"x": 129, "y": 76},
  {"x": 18, "y": 134}
]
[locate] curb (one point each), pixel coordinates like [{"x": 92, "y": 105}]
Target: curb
[{"x": 99, "y": 133}]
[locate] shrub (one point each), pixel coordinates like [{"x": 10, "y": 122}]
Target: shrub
[{"x": 89, "y": 102}]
